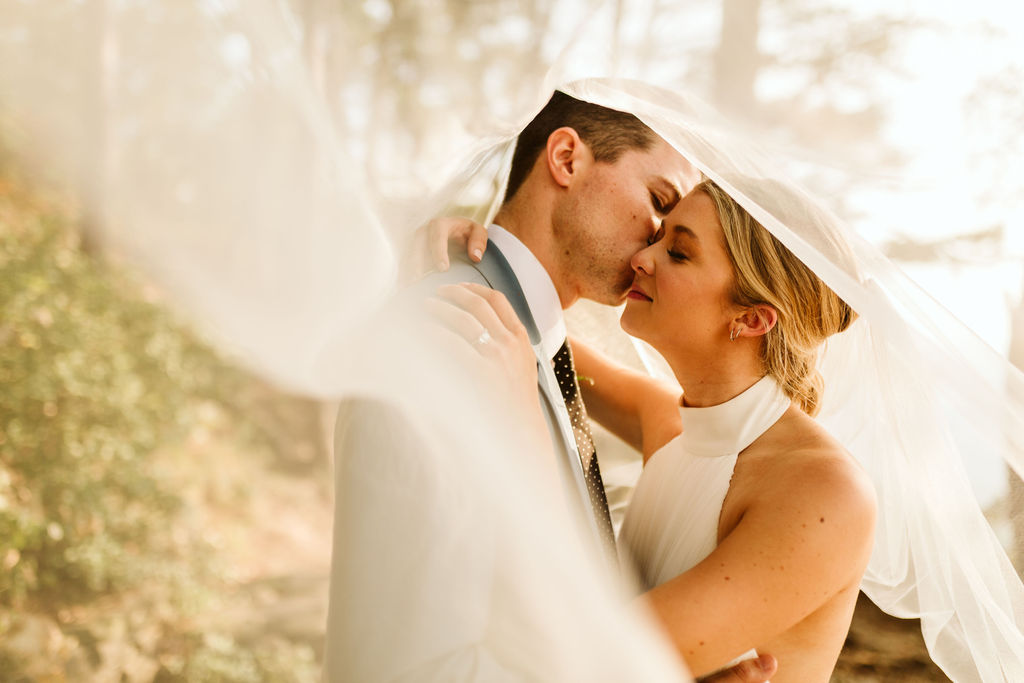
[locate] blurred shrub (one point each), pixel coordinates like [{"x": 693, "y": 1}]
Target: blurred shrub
[
  {"x": 94, "y": 375},
  {"x": 217, "y": 658},
  {"x": 106, "y": 400}
]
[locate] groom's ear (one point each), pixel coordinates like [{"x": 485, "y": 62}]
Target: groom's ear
[{"x": 565, "y": 154}]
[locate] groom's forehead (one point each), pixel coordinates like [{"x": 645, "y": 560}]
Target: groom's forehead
[{"x": 662, "y": 165}]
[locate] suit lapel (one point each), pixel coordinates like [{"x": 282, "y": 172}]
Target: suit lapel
[{"x": 495, "y": 269}]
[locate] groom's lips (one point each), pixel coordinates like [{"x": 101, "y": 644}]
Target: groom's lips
[{"x": 638, "y": 294}]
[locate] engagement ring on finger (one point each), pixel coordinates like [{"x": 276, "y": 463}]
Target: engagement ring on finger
[{"x": 484, "y": 338}]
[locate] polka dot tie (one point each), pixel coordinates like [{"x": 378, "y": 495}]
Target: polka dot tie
[{"x": 565, "y": 373}]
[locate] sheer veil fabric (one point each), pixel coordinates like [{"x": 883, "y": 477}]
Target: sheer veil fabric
[
  {"x": 909, "y": 392},
  {"x": 258, "y": 220}
]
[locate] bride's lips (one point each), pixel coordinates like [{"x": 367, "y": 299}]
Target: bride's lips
[{"x": 638, "y": 294}]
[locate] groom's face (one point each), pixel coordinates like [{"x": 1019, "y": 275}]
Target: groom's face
[{"x": 613, "y": 213}]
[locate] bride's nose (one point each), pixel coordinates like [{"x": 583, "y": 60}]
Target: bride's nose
[{"x": 643, "y": 261}]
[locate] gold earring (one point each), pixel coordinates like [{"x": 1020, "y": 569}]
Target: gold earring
[{"x": 733, "y": 334}]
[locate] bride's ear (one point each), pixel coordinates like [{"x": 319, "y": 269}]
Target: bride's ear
[
  {"x": 564, "y": 153},
  {"x": 756, "y": 320}
]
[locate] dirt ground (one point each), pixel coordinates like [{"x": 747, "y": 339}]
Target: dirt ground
[{"x": 883, "y": 648}]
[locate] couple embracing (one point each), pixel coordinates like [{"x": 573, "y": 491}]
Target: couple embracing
[{"x": 751, "y": 526}]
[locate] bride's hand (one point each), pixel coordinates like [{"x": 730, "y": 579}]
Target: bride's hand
[
  {"x": 485, "y": 320},
  {"x": 429, "y": 248},
  {"x": 757, "y": 670}
]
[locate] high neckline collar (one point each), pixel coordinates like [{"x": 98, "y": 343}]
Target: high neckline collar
[{"x": 730, "y": 427}]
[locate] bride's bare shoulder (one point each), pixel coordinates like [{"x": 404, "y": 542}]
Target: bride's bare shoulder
[
  {"x": 798, "y": 438},
  {"x": 797, "y": 462}
]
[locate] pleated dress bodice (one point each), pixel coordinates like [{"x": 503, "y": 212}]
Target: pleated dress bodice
[{"x": 671, "y": 523}]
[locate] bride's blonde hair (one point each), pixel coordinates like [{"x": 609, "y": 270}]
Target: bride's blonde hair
[{"x": 768, "y": 273}]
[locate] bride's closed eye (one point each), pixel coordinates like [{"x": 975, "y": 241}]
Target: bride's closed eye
[{"x": 677, "y": 256}]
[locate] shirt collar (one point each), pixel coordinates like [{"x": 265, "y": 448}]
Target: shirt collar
[{"x": 539, "y": 290}]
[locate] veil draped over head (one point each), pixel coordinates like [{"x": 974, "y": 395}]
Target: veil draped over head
[
  {"x": 909, "y": 391},
  {"x": 287, "y": 260}
]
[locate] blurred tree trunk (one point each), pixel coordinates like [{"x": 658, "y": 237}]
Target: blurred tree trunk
[
  {"x": 99, "y": 71},
  {"x": 318, "y": 37},
  {"x": 616, "y": 49},
  {"x": 1017, "y": 443},
  {"x": 314, "y": 41},
  {"x": 736, "y": 60}
]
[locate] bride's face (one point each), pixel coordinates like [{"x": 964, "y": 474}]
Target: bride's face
[{"x": 680, "y": 299}]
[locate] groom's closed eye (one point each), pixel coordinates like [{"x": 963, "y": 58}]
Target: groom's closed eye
[
  {"x": 660, "y": 205},
  {"x": 658, "y": 235},
  {"x": 664, "y": 195}
]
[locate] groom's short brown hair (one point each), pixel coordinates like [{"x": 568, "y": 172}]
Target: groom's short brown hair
[{"x": 607, "y": 132}]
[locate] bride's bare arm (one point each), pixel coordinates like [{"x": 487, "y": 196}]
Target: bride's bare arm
[
  {"x": 639, "y": 409},
  {"x": 803, "y": 538}
]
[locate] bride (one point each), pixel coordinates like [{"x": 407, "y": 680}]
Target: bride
[{"x": 751, "y": 526}]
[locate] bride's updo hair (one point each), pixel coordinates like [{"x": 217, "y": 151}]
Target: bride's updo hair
[{"x": 768, "y": 273}]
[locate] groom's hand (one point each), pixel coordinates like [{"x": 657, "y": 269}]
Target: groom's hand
[{"x": 748, "y": 671}]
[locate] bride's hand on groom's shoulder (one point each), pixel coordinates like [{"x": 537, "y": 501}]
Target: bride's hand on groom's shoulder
[
  {"x": 484, "y": 320},
  {"x": 428, "y": 249}
]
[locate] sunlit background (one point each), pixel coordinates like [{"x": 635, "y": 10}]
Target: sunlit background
[{"x": 195, "y": 196}]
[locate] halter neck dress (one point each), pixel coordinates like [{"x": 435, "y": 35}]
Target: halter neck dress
[{"x": 671, "y": 523}]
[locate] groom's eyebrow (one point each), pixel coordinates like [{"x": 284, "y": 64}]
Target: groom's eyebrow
[{"x": 672, "y": 191}]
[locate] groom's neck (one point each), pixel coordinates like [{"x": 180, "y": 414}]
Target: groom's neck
[{"x": 533, "y": 228}]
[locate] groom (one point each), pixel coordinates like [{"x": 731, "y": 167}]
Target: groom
[{"x": 587, "y": 189}]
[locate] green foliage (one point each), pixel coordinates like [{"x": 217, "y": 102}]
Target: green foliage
[
  {"x": 94, "y": 376},
  {"x": 217, "y": 658},
  {"x": 106, "y": 402}
]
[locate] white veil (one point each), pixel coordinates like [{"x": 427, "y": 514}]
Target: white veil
[
  {"x": 910, "y": 391},
  {"x": 260, "y": 223}
]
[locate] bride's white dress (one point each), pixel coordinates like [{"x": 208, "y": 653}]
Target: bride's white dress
[{"x": 671, "y": 523}]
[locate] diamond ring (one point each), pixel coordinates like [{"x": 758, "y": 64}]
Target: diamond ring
[{"x": 484, "y": 338}]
